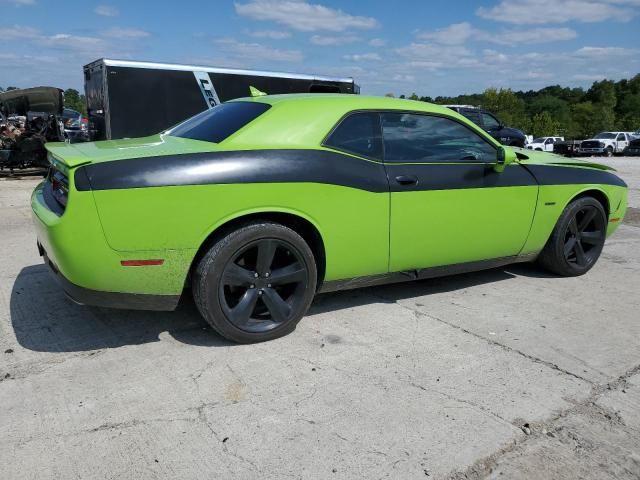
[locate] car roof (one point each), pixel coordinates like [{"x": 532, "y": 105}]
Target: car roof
[{"x": 350, "y": 102}]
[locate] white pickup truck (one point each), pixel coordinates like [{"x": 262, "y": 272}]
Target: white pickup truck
[
  {"x": 605, "y": 143},
  {"x": 544, "y": 144}
]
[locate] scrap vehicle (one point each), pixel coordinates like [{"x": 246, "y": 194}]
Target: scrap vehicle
[
  {"x": 75, "y": 126},
  {"x": 28, "y": 119},
  {"x": 605, "y": 144},
  {"x": 128, "y": 99},
  {"x": 489, "y": 122},
  {"x": 544, "y": 144},
  {"x": 260, "y": 203}
]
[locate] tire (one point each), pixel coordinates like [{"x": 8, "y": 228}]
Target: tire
[
  {"x": 538, "y": 150},
  {"x": 608, "y": 151},
  {"x": 577, "y": 239},
  {"x": 255, "y": 283}
]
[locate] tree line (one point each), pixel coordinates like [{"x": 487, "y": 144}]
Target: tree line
[
  {"x": 555, "y": 110},
  {"x": 550, "y": 111}
]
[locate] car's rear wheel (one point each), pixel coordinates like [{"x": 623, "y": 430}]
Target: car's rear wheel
[
  {"x": 256, "y": 283},
  {"x": 577, "y": 239}
]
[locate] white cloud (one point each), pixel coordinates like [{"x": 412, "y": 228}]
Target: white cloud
[
  {"x": 271, "y": 34},
  {"x": 529, "y": 12},
  {"x": 461, "y": 33},
  {"x": 19, "y": 3},
  {"x": 404, "y": 78},
  {"x": 605, "y": 52},
  {"x": 125, "y": 33},
  {"x": 363, "y": 57},
  {"x": 377, "y": 42},
  {"x": 18, "y": 33},
  {"x": 256, "y": 51},
  {"x": 106, "y": 11},
  {"x": 325, "y": 40},
  {"x": 455, "y": 34},
  {"x": 303, "y": 16}
]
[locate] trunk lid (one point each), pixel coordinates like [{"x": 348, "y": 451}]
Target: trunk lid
[{"x": 77, "y": 154}]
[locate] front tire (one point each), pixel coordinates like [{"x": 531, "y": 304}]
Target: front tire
[
  {"x": 577, "y": 239},
  {"x": 255, "y": 283}
]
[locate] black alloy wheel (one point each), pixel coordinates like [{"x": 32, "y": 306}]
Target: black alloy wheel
[
  {"x": 584, "y": 237},
  {"x": 263, "y": 284},
  {"x": 577, "y": 239},
  {"x": 256, "y": 282}
]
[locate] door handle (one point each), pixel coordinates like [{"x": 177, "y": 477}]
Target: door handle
[{"x": 407, "y": 180}]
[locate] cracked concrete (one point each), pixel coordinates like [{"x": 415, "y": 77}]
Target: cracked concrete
[{"x": 433, "y": 379}]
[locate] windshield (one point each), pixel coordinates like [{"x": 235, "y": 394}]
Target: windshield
[
  {"x": 606, "y": 135},
  {"x": 220, "y": 122}
]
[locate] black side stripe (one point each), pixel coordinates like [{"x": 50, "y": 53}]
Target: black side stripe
[
  {"x": 253, "y": 166},
  {"x": 321, "y": 166},
  {"x": 452, "y": 176},
  {"x": 561, "y": 175}
]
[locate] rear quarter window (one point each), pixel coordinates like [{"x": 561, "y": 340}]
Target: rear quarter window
[{"x": 220, "y": 122}]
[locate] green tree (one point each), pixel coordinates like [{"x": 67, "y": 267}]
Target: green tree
[
  {"x": 75, "y": 101},
  {"x": 414, "y": 97},
  {"x": 543, "y": 125},
  {"x": 507, "y": 106}
]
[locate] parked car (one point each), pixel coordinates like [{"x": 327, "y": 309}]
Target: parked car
[
  {"x": 228, "y": 202},
  {"x": 605, "y": 143},
  {"x": 568, "y": 148},
  {"x": 544, "y": 144},
  {"x": 633, "y": 150},
  {"x": 490, "y": 123},
  {"x": 75, "y": 126}
]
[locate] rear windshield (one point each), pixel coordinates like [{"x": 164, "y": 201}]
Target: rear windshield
[{"x": 218, "y": 123}]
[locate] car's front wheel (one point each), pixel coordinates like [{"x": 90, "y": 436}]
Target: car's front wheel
[
  {"x": 255, "y": 283},
  {"x": 577, "y": 239}
]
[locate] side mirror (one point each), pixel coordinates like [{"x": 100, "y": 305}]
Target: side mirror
[{"x": 504, "y": 156}]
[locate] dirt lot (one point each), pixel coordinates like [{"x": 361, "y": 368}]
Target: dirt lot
[{"x": 508, "y": 373}]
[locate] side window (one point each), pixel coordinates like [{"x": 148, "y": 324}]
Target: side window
[
  {"x": 549, "y": 140},
  {"x": 424, "y": 138},
  {"x": 620, "y": 137},
  {"x": 359, "y": 134},
  {"x": 490, "y": 122},
  {"x": 472, "y": 115}
]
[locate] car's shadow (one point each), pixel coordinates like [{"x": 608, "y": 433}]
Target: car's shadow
[{"x": 45, "y": 320}]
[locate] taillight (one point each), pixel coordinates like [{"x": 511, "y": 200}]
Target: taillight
[{"x": 59, "y": 186}]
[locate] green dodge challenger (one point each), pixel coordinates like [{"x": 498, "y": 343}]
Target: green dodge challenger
[{"x": 260, "y": 203}]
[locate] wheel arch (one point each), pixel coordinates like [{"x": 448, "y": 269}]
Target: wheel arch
[
  {"x": 297, "y": 221},
  {"x": 596, "y": 193}
]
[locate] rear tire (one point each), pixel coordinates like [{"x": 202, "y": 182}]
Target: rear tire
[
  {"x": 255, "y": 283},
  {"x": 577, "y": 239}
]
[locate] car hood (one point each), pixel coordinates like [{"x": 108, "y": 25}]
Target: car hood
[
  {"x": 533, "y": 157},
  {"x": 38, "y": 99},
  {"x": 512, "y": 132},
  {"x": 73, "y": 155}
]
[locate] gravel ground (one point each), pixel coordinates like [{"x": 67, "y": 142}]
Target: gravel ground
[{"x": 508, "y": 373}]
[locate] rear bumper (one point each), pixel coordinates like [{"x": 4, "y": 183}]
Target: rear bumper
[{"x": 86, "y": 296}]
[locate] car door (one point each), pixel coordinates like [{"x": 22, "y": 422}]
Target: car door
[
  {"x": 448, "y": 203},
  {"x": 621, "y": 142},
  {"x": 548, "y": 145}
]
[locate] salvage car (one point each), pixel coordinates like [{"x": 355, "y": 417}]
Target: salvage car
[
  {"x": 544, "y": 144},
  {"x": 28, "y": 119},
  {"x": 605, "y": 143},
  {"x": 490, "y": 123},
  {"x": 260, "y": 203}
]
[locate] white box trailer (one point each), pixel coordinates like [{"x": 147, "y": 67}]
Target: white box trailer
[{"x": 127, "y": 99}]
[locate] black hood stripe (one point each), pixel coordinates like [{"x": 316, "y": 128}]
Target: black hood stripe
[{"x": 321, "y": 166}]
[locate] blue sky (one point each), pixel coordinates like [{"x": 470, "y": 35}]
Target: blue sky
[{"x": 431, "y": 47}]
